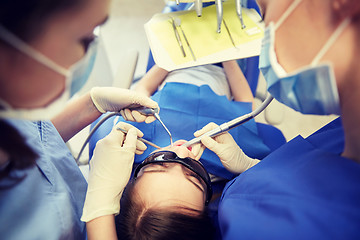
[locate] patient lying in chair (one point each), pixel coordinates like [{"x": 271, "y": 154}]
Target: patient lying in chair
[
  {"x": 188, "y": 99},
  {"x": 191, "y": 98}
]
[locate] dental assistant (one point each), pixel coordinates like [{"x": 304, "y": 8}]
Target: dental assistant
[
  {"x": 310, "y": 187},
  {"x": 47, "y": 51}
]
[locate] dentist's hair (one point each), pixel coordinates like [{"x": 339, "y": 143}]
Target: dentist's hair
[
  {"x": 136, "y": 222},
  {"x": 26, "y": 18}
]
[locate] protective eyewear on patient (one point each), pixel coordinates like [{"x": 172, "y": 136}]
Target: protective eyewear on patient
[{"x": 189, "y": 163}]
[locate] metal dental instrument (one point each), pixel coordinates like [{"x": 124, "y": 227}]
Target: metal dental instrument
[
  {"x": 198, "y": 7},
  {"x": 178, "y": 24},
  {"x": 239, "y": 12},
  {"x": 155, "y": 112},
  {"x": 231, "y": 124},
  {"x": 156, "y": 115},
  {"x": 141, "y": 139},
  {"x": 144, "y": 110},
  {"x": 219, "y": 13},
  {"x": 228, "y": 31},
  {"x": 178, "y": 37}
]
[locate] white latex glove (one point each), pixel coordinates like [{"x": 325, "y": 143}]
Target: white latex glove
[
  {"x": 197, "y": 150},
  {"x": 230, "y": 154},
  {"x": 111, "y": 99},
  {"x": 110, "y": 169}
]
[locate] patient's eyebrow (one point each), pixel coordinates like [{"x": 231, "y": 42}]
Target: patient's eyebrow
[
  {"x": 197, "y": 186},
  {"x": 154, "y": 170}
]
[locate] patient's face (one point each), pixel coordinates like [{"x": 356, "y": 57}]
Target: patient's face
[{"x": 171, "y": 184}]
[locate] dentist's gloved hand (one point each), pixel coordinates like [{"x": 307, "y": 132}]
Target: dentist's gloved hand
[
  {"x": 197, "y": 149},
  {"x": 230, "y": 154},
  {"x": 111, "y": 99},
  {"x": 110, "y": 169}
]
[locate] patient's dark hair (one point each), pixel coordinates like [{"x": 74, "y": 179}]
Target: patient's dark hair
[{"x": 135, "y": 222}]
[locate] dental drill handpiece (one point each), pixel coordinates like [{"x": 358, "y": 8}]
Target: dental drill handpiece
[
  {"x": 222, "y": 128},
  {"x": 231, "y": 124},
  {"x": 155, "y": 112},
  {"x": 219, "y": 13},
  {"x": 239, "y": 13},
  {"x": 198, "y": 7}
]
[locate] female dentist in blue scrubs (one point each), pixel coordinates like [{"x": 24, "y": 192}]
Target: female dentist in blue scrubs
[
  {"x": 308, "y": 188},
  {"x": 47, "y": 50}
]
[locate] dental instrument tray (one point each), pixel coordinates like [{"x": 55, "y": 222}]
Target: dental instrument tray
[{"x": 195, "y": 41}]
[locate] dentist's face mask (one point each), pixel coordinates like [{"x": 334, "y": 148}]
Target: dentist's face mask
[
  {"x": 76, "y": 77},
  {"x": 311, "y": 89}
]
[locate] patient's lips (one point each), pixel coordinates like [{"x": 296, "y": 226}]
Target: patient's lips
[
  {"x": 181, "y": 151},
  {"x": 181, "y": 142}
]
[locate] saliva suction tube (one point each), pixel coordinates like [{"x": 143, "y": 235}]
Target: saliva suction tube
[
  {"x": 144, "y": 110},
  {"x": 231, "y": 124}
]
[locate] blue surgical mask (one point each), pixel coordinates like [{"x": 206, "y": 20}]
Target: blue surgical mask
[
  {"x": 76, "y": 77},
  {"x": 81, "y": 71},
  {"x": 311, "y": 89}
]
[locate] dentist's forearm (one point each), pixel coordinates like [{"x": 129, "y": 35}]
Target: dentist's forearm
[
  {"x": 78, "y": 114},
  {"x": 102, "y": 228}
]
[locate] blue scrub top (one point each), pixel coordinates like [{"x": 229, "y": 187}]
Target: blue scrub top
[
  {"x": 303, "y": 190},
  {"x": 47, "y": 203}
]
